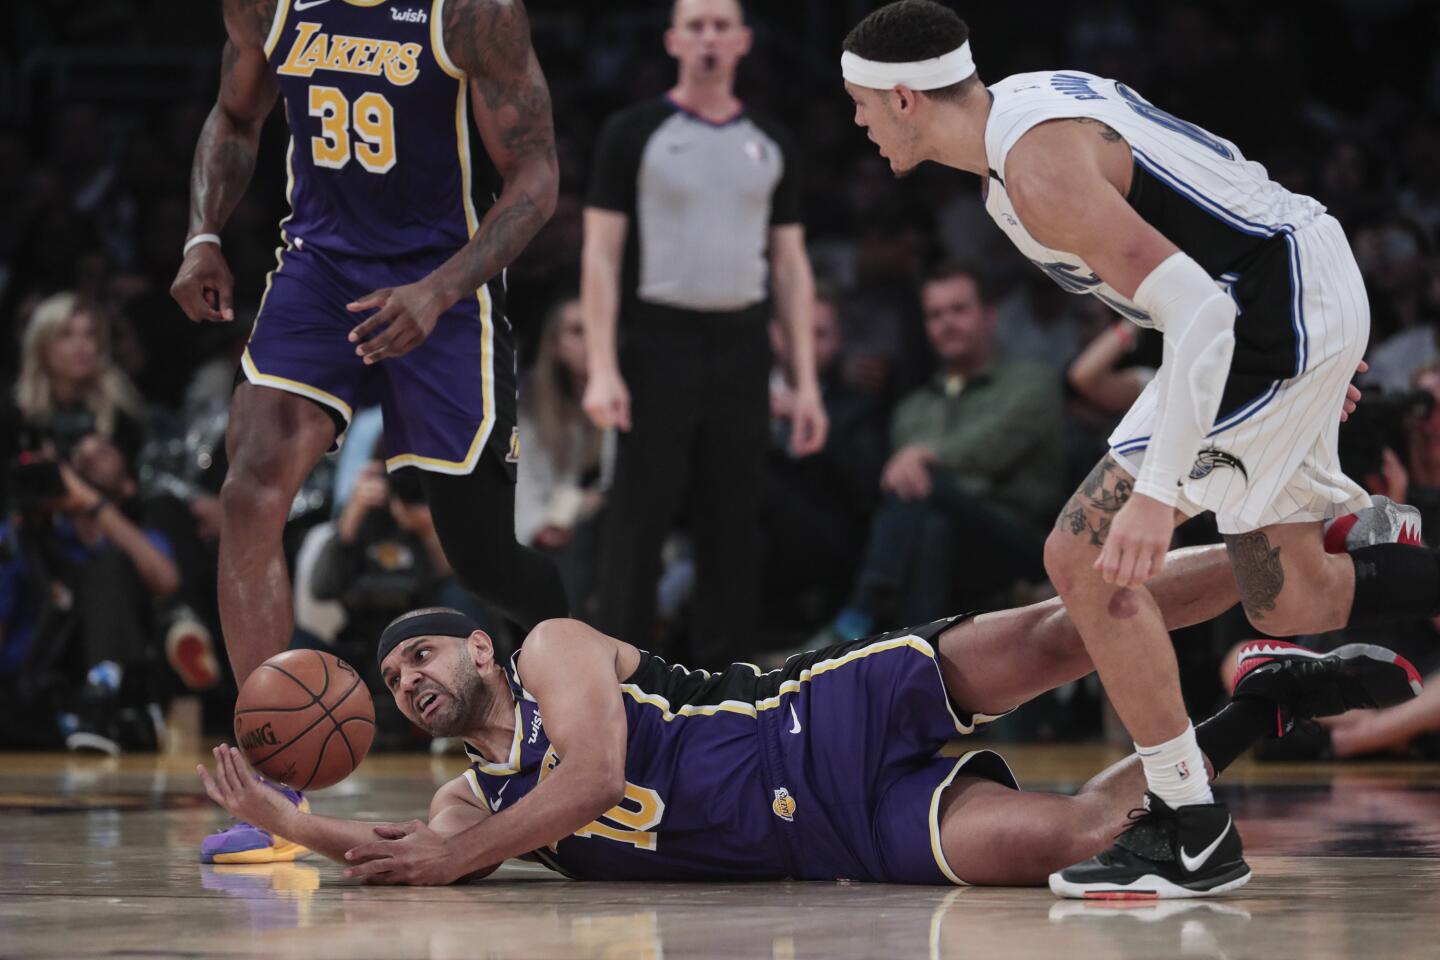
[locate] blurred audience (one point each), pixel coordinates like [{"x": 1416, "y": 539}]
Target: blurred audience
[
  {"x": 558, "y": 496},
  {"x": 816, "y": 510},
  {"x": 82, "y": 583},
  {"x": 89, "y": 237},
  {"x": 69, "y": 385},
  {"x": 383, "y": 559},
  {"x": 974, "y": 478}
]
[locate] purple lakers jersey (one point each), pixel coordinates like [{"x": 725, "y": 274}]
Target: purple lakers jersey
[
  {"x": 826, "y": 768},
  {"x": 381, "y": 139},
  {"x": 695, "y": 802}
]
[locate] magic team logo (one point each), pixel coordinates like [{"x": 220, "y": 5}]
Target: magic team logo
[
  {"x": 784, "y": 805},
  {"x": 1209, "y": 460}
]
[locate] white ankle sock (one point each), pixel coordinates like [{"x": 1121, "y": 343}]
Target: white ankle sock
[{"x": 1175, "y": 770}]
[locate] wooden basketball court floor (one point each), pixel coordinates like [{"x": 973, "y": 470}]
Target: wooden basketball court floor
[{"x": 98, "y": 859}]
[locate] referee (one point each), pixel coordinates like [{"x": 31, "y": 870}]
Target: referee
[{"x": 691, "y": 223}]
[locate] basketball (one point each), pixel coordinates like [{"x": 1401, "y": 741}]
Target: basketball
[{"x": 305, "y": 719}]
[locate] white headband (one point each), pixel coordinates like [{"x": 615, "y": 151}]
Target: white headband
[{"x": 929, "y": 74}]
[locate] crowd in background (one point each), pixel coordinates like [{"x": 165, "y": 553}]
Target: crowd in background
[{"x": 967, "y": 394}]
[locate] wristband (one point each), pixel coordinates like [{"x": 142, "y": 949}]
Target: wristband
[{"x": 198, "y": 239}]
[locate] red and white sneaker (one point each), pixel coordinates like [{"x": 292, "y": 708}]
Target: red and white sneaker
[
  {"x": 1304, "y": 684},
  {"x": 1384, "y": 521},
  {"x": 191, "y": 652}
]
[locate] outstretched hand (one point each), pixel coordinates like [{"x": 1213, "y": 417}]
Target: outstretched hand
[
  {"x": 406, "y": 853},
  {"x": 235, "y": 787}
]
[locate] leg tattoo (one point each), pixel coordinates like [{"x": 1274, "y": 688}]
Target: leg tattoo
[
  {"x": 1095, "y": 504},
  {"x": 1258, "y": 572}
]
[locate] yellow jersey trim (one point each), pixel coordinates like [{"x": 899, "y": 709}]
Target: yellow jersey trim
[
  {"x": 789, "y": 686},
  {"x": 247, "y": 363},
  {"x": 482, "y": 296},
  {"x": 937, "y": 850},
  {"x": 364, "y": 3},
  {"x": 513, "y": 765},
  {"x": 253, "y": 374},
  {"x": 474, "y": 782},
  {"x": 437, "y": 41},
  {"x": 277, "y": 27}
]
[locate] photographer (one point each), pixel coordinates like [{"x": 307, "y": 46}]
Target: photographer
[
  {"x": 81, "y": 582},
  {"x": 69, "y": 385}
]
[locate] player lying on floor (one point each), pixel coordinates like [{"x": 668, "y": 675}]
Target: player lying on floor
[{"x": 827, "y": 768}]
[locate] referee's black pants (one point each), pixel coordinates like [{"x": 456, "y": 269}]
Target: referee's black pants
[{"x": 700, "y": 409}]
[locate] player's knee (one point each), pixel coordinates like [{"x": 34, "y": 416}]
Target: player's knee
[
  {"x": 247, "y": 497},
  {"x": 1066, "y": 560}
]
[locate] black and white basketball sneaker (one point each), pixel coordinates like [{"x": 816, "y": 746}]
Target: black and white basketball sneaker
[
  {"x": 1304, "y": 684},
  {"x": 1165, "y": 854}
]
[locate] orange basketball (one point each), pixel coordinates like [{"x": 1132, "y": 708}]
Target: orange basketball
[{"x": 305, "y": 719}]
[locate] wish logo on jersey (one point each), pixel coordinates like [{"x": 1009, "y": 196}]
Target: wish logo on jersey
[{"x": 314, "y": 51}]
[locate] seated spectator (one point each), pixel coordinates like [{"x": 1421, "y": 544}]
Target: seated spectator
[
  {"x": 1422, "y": 440},
  {"x": 69, "y": 385},
  {"x": 80, "y": 591},
  {"x": 975, "y": 477},
  {"x": 816, "y": 509},
  {"x": 1099, "y": 375},
  {"x": 558, "y": 492}
]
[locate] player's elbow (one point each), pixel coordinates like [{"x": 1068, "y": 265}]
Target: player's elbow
[
  {"x": 543, "y": 183},
  {"x": 557, "y": 632},
  {"x": 611, "y": 789}
]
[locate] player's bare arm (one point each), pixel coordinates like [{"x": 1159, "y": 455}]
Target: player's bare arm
[
  {"x": 225, "y": 158},
  {"x": 794, "y": 283},
  {"x": 234, "y": 787},
  {"x": 1068, "y": 181},
  {"x": 607, "y": 400},
  {"x": 571, "y": 670},
  {"x": 490, "y": 41}
]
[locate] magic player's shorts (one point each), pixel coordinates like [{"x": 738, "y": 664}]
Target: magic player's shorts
[
  {"x": 1273, "y": 456},
  {"x": 443, "y": 403},
  {"x": 851, "y": 758}
]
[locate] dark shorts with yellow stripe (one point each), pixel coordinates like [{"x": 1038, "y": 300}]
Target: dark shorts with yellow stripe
[
  {"x": 444, "y": 403},
  {"x": 850, "y": 745}
]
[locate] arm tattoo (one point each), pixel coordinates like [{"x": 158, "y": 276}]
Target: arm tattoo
[
  {"x": 490, "y": 41},
  {"x": 225, "y": 153},
  {"x": 1258, "y": 572},
  {"x": 1093, "y": 507},
  {"x": 251, "y": 15},
  {"x": 1107, "y": 132}
]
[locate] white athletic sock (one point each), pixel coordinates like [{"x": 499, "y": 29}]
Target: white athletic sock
[{"x": 1175, "y": 770}]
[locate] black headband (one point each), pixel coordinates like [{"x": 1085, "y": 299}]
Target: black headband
[{"x": 439, "y": 622}]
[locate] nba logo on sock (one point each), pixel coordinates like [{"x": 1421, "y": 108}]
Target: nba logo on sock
[{"x": 1183, "y": 769}]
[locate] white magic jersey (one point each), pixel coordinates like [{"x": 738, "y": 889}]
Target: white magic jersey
[
  {"x": 1206, "y": 170},
  {"x": 1302, "y": 322}
]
